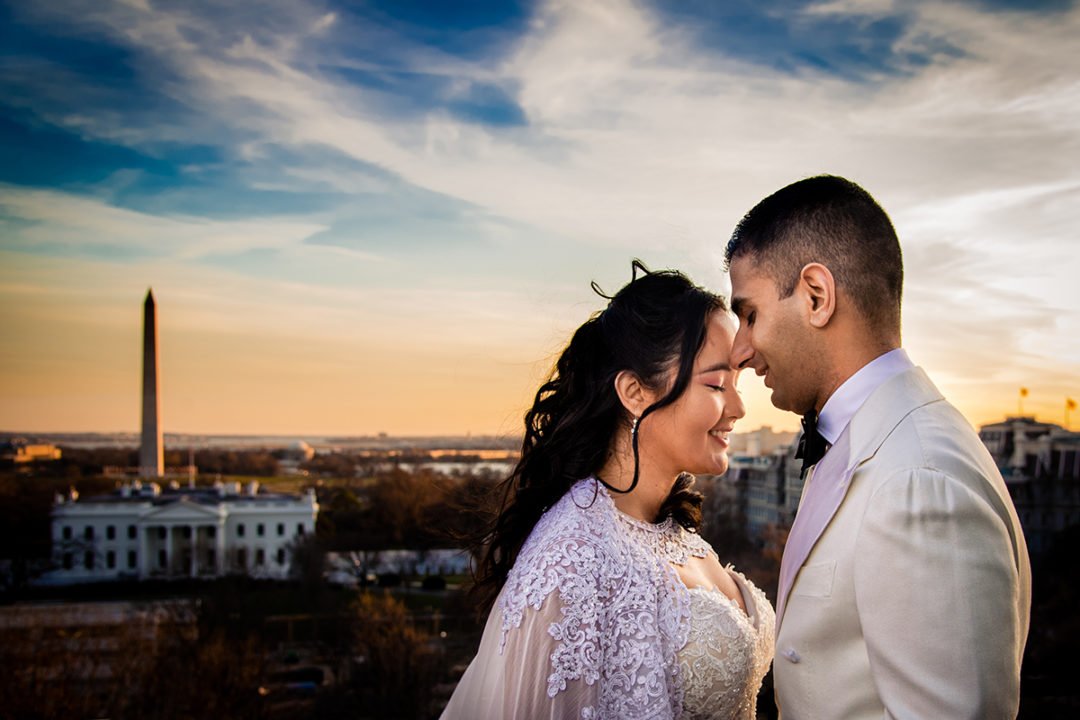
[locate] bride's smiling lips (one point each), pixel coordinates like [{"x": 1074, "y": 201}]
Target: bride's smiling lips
[{"x": 720, "y": 435}]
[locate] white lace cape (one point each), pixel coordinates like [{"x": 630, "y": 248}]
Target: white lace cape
[{"x": 623, "y": 612}]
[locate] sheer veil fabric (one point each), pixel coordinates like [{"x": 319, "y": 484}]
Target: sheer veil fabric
[{"x": 594, "y": 622}]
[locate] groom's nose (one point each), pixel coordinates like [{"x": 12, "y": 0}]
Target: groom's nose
[{"x": 742, "y": 352}]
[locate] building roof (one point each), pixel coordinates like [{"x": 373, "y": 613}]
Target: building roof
[{"x": 139, "y": 493}]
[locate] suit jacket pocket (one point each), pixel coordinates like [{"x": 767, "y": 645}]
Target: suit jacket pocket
[{"x": 814, "y": 580}]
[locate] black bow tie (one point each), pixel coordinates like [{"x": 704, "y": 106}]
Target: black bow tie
[{"x": 812, "y": 444}]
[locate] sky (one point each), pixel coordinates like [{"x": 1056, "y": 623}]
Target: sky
[{"x": 362, "y": 217}]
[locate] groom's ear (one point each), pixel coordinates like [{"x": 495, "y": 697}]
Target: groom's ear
[
  {"x": 633, "y": 394},
  {"x": 819, "y": 289}
]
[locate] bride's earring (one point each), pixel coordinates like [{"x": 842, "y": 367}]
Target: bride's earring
[{"x": 633, "y": 429}]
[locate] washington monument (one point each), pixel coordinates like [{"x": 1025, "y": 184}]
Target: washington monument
[{"x": 151, "y": 455}]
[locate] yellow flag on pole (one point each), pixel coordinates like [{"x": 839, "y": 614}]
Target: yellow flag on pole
[{"x": 1023, "y": 392}]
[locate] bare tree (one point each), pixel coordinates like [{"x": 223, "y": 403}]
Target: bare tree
[{"x": 398, "y": 669}]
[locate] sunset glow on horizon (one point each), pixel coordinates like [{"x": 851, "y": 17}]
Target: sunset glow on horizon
[{"x": 385, "y": 216}]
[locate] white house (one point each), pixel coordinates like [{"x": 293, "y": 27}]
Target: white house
[{"x": 140, "y": 531}]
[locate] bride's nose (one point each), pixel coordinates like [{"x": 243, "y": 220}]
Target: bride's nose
[{"x": 734, "y": 408}]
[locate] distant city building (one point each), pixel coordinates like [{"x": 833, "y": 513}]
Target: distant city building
[
  {"x": 725, "y": 501},
  {"x": 761, "y": 442},
  {"x": 292, "y": 457},
  {"x": 793, "y": 479},
  {"x": 765, "y": 477},
  {"x": 140, "y": 531},
  {"x": 20, "y": 452},
  {"x": 299, "y": 450},
  {"x": 1041, "y": 466},
  {"x": 762, "y": 484},
  {"x": 1039, "y": 461},
  {"x": 349, "y": 568}
]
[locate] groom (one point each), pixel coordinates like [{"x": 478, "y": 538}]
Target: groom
[{"x": 905, "y": 588}]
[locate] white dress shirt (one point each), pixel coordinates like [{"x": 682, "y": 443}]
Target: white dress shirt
[{"x": 849, "y": 397}]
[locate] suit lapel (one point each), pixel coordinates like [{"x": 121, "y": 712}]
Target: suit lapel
[
  {"x": 830, "y": 479},
  {"x": 824, "y": 491}
]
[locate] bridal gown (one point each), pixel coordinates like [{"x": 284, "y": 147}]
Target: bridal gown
[{"x": 593, "y": 622}]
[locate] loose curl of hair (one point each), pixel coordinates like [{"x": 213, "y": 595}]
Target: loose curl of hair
[{"x": 654, "y": 324}]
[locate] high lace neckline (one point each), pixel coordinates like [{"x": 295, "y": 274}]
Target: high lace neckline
[
  {"x": 662, "y": 526},
  {"x": 667, "y": 538}
]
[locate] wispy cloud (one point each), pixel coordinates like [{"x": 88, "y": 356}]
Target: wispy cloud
[{"x": 66, "y": 224}]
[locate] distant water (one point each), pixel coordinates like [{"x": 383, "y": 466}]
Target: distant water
[{"x": 452, "y": 468}]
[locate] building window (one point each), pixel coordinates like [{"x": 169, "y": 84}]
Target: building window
[
  {"x": 280, "y": 529},
  {"x": 186, "y": 532},
  {"x": 211, "y": 532},
  {"x": 211, "y": 558},
  {"x": 110, "y": 559},
  {"x": 300, "y": 528},
  {"x": 88, "y": 559},
  {"x": 260, "y": 556},
  {"x": 161, "y": 533},
  {"x": 162, "y": 558},
  {"x": 241, "y": 558},
  {"x": 67, "y": 532},
  {"x": 260, "y": 529},
  {"x": 68, "y": 561},
  {"x": 89, "y": 532},
  {"x": 110, "y": 532},
  {"x": 132, "y": 558},
  {"x": 281, "y": 556},
  {"x": 132, "y": 532},
  {"x": 240, "y": 530}
]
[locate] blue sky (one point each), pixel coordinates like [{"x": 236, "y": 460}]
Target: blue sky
[{"x": 390, "y": 212}]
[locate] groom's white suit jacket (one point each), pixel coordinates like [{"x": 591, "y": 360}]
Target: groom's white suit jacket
[{"x": 908, "y": 584}]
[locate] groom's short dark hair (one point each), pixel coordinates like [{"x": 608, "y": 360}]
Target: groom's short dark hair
[{"x": 832, "y": 221}]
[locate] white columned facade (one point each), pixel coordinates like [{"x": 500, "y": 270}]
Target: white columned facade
[
  {"x": 219, "y": 536},
  {"x": 218, "y": 523},
  {"x": 170, "y": 540},
  {"x": 193, "y": 545},
  {"x": 144, "y": 551}
]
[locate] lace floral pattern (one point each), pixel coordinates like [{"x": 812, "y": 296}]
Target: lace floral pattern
[
  {"x": 726, "y": 655},
  {"x": 625, "y": 615}
]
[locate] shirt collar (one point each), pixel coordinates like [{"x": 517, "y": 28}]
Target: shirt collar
[{"x": 849, "y": 397}]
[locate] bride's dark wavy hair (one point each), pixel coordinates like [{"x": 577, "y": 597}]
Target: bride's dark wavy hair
[{"x": 654, "y": 324}]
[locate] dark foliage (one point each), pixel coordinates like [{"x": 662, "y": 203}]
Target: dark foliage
[
  {"x": 398, "y": 509},
  {"x": 1048, "y": 686}
]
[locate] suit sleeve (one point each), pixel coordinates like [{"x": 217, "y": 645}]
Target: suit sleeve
[{"x": 937, "y": 591}]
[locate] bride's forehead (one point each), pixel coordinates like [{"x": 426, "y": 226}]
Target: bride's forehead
[{"x": 719, "y": 335}]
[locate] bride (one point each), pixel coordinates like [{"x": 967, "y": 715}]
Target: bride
[{"x": 604, "y": 601}]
